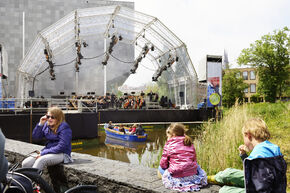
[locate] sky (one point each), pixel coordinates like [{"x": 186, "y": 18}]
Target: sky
[{"x": 212, "y": 26}]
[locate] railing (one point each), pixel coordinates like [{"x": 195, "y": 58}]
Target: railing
[{"x": 40, "y": 104}]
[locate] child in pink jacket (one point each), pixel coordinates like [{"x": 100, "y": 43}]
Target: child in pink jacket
[{"x": 178, "y": 165}]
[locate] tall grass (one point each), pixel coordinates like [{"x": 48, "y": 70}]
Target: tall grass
[{"x": 217, "y": 146}]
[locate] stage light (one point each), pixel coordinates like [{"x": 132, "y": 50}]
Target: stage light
[
  {"x": 120, "y": 38},
  {"x": 105, "y": 61},
  {"x": 152, "y": 48},
  {"x": 142, "y": 55},
  {"x": 85, "y": 44}
]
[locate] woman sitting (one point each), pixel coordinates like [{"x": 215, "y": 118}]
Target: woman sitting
[{"x": 58, "y": 134}]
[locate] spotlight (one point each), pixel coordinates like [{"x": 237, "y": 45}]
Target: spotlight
[
  {"x": 152, "y": 48},
  {"x": 85, "y": 44},
  {"x": 120, "y": 37}
]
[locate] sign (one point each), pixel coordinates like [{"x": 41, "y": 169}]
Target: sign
[{"x": 214, "y": 99}]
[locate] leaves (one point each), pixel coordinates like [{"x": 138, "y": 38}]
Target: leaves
[{"x": 270, "y": 56}]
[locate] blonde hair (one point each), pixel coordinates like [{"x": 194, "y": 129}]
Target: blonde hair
[
  {"x": 58, "y": 115},
  {"x": 178, "y": 129},
  {"x": 257, "y": 128}
]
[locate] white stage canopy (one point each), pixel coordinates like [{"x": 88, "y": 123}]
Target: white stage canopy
[{"x": 102, "y": 29}]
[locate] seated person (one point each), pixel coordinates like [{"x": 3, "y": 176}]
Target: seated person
[
  {"x": 121, "y": 129},
  {"x": 132, "y": 130},
  {"x": 110, "y": 125},
  {"x": 140, "y": 130}
]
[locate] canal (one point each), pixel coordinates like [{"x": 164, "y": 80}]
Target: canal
[{"x": 140, "y": 153}]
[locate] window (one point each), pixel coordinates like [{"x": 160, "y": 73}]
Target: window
[
  {"x": 246, "y": 90},
  {"x": 252, "y": 88},
  {"x": 252, "y": 75},
  {"x": 245, "y": 75}
]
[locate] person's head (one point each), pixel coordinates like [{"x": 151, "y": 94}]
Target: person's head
[
  {"x": 55, "y": 117},
  {"x": 177, "y": 129},
  {"x": 110, "y": 122},
  {"x": 255, "y": 130}
]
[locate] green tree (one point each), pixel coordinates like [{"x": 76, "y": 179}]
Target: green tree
[
  {"x": 233, "y": 88},
  {"x": 270, "y": 56}
]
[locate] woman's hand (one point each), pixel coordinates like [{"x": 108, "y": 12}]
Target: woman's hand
[
  {"x": 243, "y": 149},
  {"x": 43, "y": 119}
]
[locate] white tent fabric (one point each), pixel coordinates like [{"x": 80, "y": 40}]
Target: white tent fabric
[{"x": 166, "y": 51}]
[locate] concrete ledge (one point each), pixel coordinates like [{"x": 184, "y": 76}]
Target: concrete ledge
[{"x": 108, "y": 175}]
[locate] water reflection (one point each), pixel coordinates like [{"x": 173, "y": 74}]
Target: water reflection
[{"x": 140, "y": 153}]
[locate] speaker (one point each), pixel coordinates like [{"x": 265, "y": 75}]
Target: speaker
[
  {"x": 31, "y": 93},
  {"x": 181, "y": 94}
]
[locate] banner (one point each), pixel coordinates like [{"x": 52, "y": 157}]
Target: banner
[{"x": 214, "y": 81}]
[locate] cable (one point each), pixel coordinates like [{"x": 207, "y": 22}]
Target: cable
[
  {"x": 122, "y": 60},
  {"x": 65, "y": 63},
  {"x": 148, "y": 68},
  {"x": 94, "y": 56}
]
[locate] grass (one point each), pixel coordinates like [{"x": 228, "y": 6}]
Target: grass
[{"x": 217, "y": 146}]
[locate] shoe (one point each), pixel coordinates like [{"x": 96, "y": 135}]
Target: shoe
[{"x": 211, "y": 180}]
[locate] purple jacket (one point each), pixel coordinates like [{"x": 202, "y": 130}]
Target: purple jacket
[
  {"x": 56, "y": 143},
  {"x": 180, "y": 160}
]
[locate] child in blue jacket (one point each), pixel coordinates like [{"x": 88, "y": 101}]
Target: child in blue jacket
[
  {"x": 264, "y": 169},
  {"x": 58, "y": 134}
]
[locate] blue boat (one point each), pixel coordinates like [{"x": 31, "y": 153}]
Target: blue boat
[{"x": 116, "y": 134}]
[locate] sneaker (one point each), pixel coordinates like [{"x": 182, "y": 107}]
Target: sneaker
[{"x": 211, "y": 180}]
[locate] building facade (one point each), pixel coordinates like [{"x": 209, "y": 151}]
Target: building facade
[{"x": 250, "y": 77}]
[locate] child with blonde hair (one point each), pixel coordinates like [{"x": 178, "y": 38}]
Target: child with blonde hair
[
  {"x": 265, "y": 167},
  {"x": 178, "y": 165}
]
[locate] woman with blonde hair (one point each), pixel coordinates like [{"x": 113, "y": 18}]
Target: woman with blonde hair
[
  {"x": 178, "y": 165},
  {"x": 58, "y": 134}
]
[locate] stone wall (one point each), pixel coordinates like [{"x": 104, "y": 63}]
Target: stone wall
[{"x": 109, "y": 175}]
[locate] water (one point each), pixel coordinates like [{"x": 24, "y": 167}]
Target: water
[{"x": 141, "y": 153}]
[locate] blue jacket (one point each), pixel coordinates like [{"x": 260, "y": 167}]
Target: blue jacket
[
  {"x": 56, "y": 143},
  {"x": 265, "y": 169}
]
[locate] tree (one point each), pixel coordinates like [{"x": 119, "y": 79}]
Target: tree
[
  {"x": 233, "y": 88},
  {"x": 270, "y": 56}
]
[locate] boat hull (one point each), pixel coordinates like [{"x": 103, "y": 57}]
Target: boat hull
[{"x": 125, "y": 137}]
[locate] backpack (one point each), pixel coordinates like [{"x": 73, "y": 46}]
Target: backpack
[{"x": 19, "y": 183}]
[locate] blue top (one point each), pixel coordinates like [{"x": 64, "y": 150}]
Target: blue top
[
  {"x": 264, "y": 150},
  {"x": 56, "y": 143}
]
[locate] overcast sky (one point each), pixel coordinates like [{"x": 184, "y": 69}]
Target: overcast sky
[{"x": 210, "y": 26}]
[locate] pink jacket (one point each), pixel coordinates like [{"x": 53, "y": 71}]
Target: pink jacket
[{"x": 180, "y": 160}]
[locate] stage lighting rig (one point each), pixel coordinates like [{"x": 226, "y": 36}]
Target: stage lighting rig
[
  {"x": 50, "y": 63},
  {"x": 105, "y": 61},
  {"x": 142, "y": 55},
  {"x": 114, "y": 41},
  {"x": 158, "y": 73}
]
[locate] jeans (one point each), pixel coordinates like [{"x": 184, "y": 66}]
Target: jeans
[{"x": 42, "y": 161}]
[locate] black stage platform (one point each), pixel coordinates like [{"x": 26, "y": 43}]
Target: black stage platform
[{"x": 85, "y": 125}]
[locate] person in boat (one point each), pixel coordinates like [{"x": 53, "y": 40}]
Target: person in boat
[
  {"x": 140, "y": 130},
  {"x": 178, "y": 165},
  {"x": 110, "y": 125},
  {"x": 58, "y": 134},
  {"x": 132, "y": 130},
  {"x": 122, "y": 129}
]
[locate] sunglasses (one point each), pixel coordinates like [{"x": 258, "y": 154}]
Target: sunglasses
[{"x": 48, "y": 116}]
